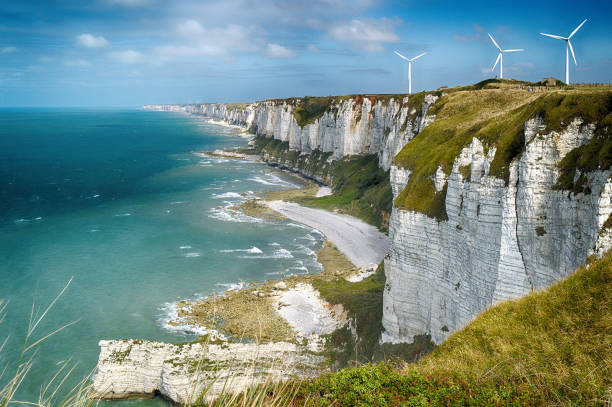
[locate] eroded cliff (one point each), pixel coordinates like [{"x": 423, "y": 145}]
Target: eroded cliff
[{"x": 497, "y": 191}]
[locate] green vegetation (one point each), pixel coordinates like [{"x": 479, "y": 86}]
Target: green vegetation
[
  {"x": 557, "y": 342},
  {"x": 278, "y": 152},
  {"x": 363, "y": 302},
  {"x": 360, "y": 187},
  {"x": 497, "y": 117},
  {"x": 596, "y": 154},
  {"x": 310, "y": 109},
  {"x": 381, "y": 385}
]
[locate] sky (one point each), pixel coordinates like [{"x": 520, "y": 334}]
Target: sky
[{"x": 134, "y": 52}]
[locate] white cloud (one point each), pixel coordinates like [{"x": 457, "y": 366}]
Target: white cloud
[
  {"x": 313, "y": 48},
  {"x": 81, "y": 63},
  {"x": 190, "y": 28},
  {"x": 7, "y": 50},
  {"x": 127, "y": 57},
  {"x": 369, "y": 35},
  {"x": 200, "y": 41},
  {"x": 89, "y": 41},
  {"x": 278, "y": 51}
]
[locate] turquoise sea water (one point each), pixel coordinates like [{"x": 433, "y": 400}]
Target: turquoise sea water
[{"x": 117, "y": 200}]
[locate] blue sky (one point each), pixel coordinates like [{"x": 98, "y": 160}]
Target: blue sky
[{"x": 133, "y": 52}]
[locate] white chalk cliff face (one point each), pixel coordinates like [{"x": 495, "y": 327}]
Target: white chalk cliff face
[
  {"x": 136, "y": 369},
  {"x": 346, "y": 128},
  {"x": 500, "y": 241}
]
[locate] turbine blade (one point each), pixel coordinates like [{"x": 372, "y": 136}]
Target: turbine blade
[
  {"x": 577, "y": 28},
  {"x": 401, "y": 56},
  {"x": 496, "y": 61},
  {"x": 513, "y": 50},
  {"x": 572, "y": 49},
  {"x": 554, "y": 36},
  {"x": 418, "y": 56},
  {"x": 494, "y": 43}
]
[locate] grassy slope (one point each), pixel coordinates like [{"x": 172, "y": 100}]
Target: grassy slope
[
  {"x": 497, "y": 117},
  {"x": 552, "y": 347},
  {"x": 360, "y": 188}
]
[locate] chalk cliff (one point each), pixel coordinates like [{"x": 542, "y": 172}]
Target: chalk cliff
[
  {"x": 181, "y": 373},
  {"x": 347, "y": 126},
  {"x": 499, "y": 242},
  {"x": 501, "y": 232}
]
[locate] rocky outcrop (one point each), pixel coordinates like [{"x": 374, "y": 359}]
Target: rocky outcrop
[
  {"x": 349, "y": 126},
  {"x": 183, "y": 373},
  {"x": 499, "y": 242}
]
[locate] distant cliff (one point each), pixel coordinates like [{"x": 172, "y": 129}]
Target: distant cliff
[
  {"x": 349, "y": 125},
  {"x": 497, "y": 191}
]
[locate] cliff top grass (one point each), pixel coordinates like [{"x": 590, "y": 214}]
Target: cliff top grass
[
  {"x": 558, "y": 340},
  {"x": 496, "y": 116},
  {"x": 550, "y": 348}
]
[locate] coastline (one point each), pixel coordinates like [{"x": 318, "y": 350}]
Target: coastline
[{"x": 274, "y": 312}]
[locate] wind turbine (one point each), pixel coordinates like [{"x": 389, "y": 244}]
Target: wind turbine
[
  {"x": 568, "y": 48},
  {"x": 410, "y": 61},
  {"x": 500, "y": 57}
]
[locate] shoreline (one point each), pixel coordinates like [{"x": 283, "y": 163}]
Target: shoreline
[{"x": 289, "y": 311}]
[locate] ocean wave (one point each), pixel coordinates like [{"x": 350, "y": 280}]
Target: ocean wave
[
  {"x": 253, "y": 250},
  {"x": 178, "y": 202},
  {"x": 121, "y": 215},
  {"x": 227, "y": 195},
  {"x": 283, "y": 254},
  {"x": 223, "y": 213},
  {"x": 192, "y": 254},
  {"x": 23, "y": 220},
  {"x": 232, "y": 286},
  {"x": 169, "y": 311},
  {"x": 185, "y": 247},
  {"x": 272, "y": 179},
  {"x": 274, "y": 244}
]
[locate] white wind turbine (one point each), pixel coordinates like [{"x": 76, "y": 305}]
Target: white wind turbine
[
  {"x": 410, "y": 61},
  {"x": 568, "y": 48},
  {"x": 500, "y": 57}
]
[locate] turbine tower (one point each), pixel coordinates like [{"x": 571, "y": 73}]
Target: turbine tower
[
  {"x": 568, "y": 48},
  {"x": 410, "y": 61},
  {"x": 500, "y": 57}
]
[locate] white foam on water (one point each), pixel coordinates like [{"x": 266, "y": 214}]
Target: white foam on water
[
  {"x": 178, "y": 202},
  {"x": 169, "y": 312},
  {"x": 227, "y": 195},
  {"x": 274, "y": 244},
  {"x": 253, "y": 250},
  {"x": 271, "y": 179},
  {"x": 121, "y": 215},
  {"x": 283, "y": 254},
  {"x": 232, "y": 286},
  {"x": 192, "y": 254},
  {"x": 185, "y": 247},
  {"x": 223, "y": 213}
]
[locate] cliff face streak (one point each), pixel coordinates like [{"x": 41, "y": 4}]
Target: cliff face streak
[{"x": 500, "y": 241}]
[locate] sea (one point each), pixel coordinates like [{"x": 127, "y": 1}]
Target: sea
[{"x": 120, "y": 204}]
